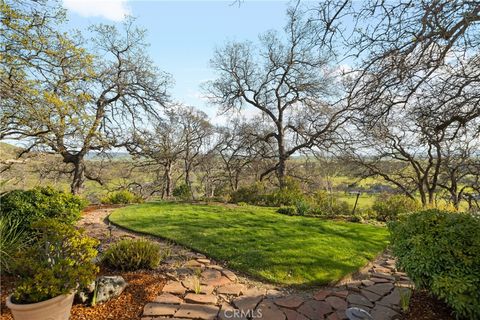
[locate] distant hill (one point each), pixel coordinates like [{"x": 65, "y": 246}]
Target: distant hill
[{"x": 10, "y": 151}]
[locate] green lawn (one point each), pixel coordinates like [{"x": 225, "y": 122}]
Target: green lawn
[{"x": 260, "y": 242}]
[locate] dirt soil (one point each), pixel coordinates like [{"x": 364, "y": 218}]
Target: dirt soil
[{"x": 423, "y": 306}]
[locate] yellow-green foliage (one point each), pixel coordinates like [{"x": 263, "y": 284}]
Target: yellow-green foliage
[
  {"x": 389, "y": 207},
  {"x": 121, "y": 197},
  {"x": 59, "y": 262},
  {"x": 132, "y": 255}
]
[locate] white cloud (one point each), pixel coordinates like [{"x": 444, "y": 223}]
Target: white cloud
[{"x": 109, "y": 9}]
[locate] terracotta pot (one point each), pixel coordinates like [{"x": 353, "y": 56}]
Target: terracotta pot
[{"x": 57, "y": 308}]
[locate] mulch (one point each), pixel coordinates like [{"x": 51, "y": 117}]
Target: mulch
[
  {"x": 143, "y": 287},
  {"x": 424, "y": 306}
]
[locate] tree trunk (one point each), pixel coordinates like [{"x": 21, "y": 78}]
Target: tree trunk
[
  {"x": 282, "y": 158},
  {"x": 168, "y": 180},
  {"x": 78, "y": 175},
  {"x": 423, "y": 196}
]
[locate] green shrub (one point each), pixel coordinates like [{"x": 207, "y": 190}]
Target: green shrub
[
  {"x": 13, "y": 239},
  {"x": 289, "y": 195},
  {"x": 355, "y": 218},
  {"x": 182, "y": 192},
  {"x": 440, "y": 251},
  {"x": 242, "y": 204},
  {"x": 302, "y": 207},
  {"x": 129, "y": 255},
  {"x": 251, "y": 194},
  {"x": 27, "y": 206},
  {"x": 326, "y": 204},
  {"x": 121, "y": 197},
  {"x": 59, "y": 262},
  {"x": 389, "y": 207},
  {"x": 288, "y": 210}
]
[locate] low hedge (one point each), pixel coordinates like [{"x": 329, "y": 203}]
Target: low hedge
[
  {"x": 440, "y": 251},
  {"x": 27, "y": 206}
]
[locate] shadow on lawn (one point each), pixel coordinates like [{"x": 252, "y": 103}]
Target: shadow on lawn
[{"x": 284, "y": 250}]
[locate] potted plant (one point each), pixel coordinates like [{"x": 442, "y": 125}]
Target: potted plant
[{"x": 49, "y": 273}]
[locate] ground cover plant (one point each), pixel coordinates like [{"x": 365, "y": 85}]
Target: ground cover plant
[{"x": 287, "y": 250}]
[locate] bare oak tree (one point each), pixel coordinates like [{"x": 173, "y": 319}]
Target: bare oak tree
[{"x": 287, "y": 79}]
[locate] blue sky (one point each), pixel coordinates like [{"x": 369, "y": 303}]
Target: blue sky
[{"x": 184, "y": 34}]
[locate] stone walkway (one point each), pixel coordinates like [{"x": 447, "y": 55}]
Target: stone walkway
[
  {"x": 201, "y": 289},
  {"x": 198, "y": 288}
]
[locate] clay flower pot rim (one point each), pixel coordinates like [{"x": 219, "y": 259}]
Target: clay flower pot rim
[{"x": 36, "y": 305}]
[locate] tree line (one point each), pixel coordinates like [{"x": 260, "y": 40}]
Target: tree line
[{"x": 390, "y": 88}]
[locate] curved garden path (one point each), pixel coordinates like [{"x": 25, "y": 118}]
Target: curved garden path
[{"x": 199, "y": 288}]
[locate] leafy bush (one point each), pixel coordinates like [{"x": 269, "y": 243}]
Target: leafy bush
[
  {"x": 440, "y": 251},
  {"x": 27, "y": 206},
  {"x": 129, "y": 255},
  {"x": 121, "y": 197},
  {"x": 13, "y": 239},
  {"x": 289, "y": 195},
  {"x": 288, "y": 210},
  {"x": 249, "y": 194},
  {"x": 182, "y": 192},
  {"x": 389, "y": 207},
  {"x": 59, "y": 262},
  {"x": 242, "y": 204},
  {"x": 302, "y": 207},
  {"x": 326, "y": 204},
  {"x": 355, "y": 218}
]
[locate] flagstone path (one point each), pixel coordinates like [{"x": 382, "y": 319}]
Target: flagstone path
[{"x": 202, "y": 289}]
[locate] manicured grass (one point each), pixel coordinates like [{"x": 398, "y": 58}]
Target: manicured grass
[{"x": 260, "y": 242}]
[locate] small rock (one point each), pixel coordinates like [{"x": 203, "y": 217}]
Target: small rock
[
  {"x": 382, "y": 270},
  {"x": 174, "y": 287},
  {"x": 211, "y": 274},
  {"x": 370, "y": 295},
  {"x": 227, "y": 312},
  {"x": 230, "y": 275},
  {"x": 314, "y": 309},
  {"x": 382, "y": 275},
  {"x": 269, "y": 311},
  {"x": 271, "y": 294},
  {"x": 231, "y": 289},
  {"x": 246, "y": 303},
  {"x": 393, "y": 299},
  {"x": 340, "y": 293},
  {"x": 159, "y": 309},
  {"x": 336, "y": 303},
  {"x": 290, "y": 302},
  {"x": 197, "y": 311},
  {"x": 368, "y": 283},
  {"x": 168, "y": 298},
  {"x": 254, "y": 291},
  {"x": 109, "y": 287},
  {"x": 214, "y": 266},
  {"x": 356, "y": 299},
  {"x": 380, "y": 289},
  {"x": 384, "y": 313},
  {"x": 293, "y": 315},
  {"x": 379, "y": 280},
  {"x": 203, "y": 260},
  {"x": 193, "y": 264},
  {"x": 201, "y": 298},
  {"x": 322, "y": 294}
]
